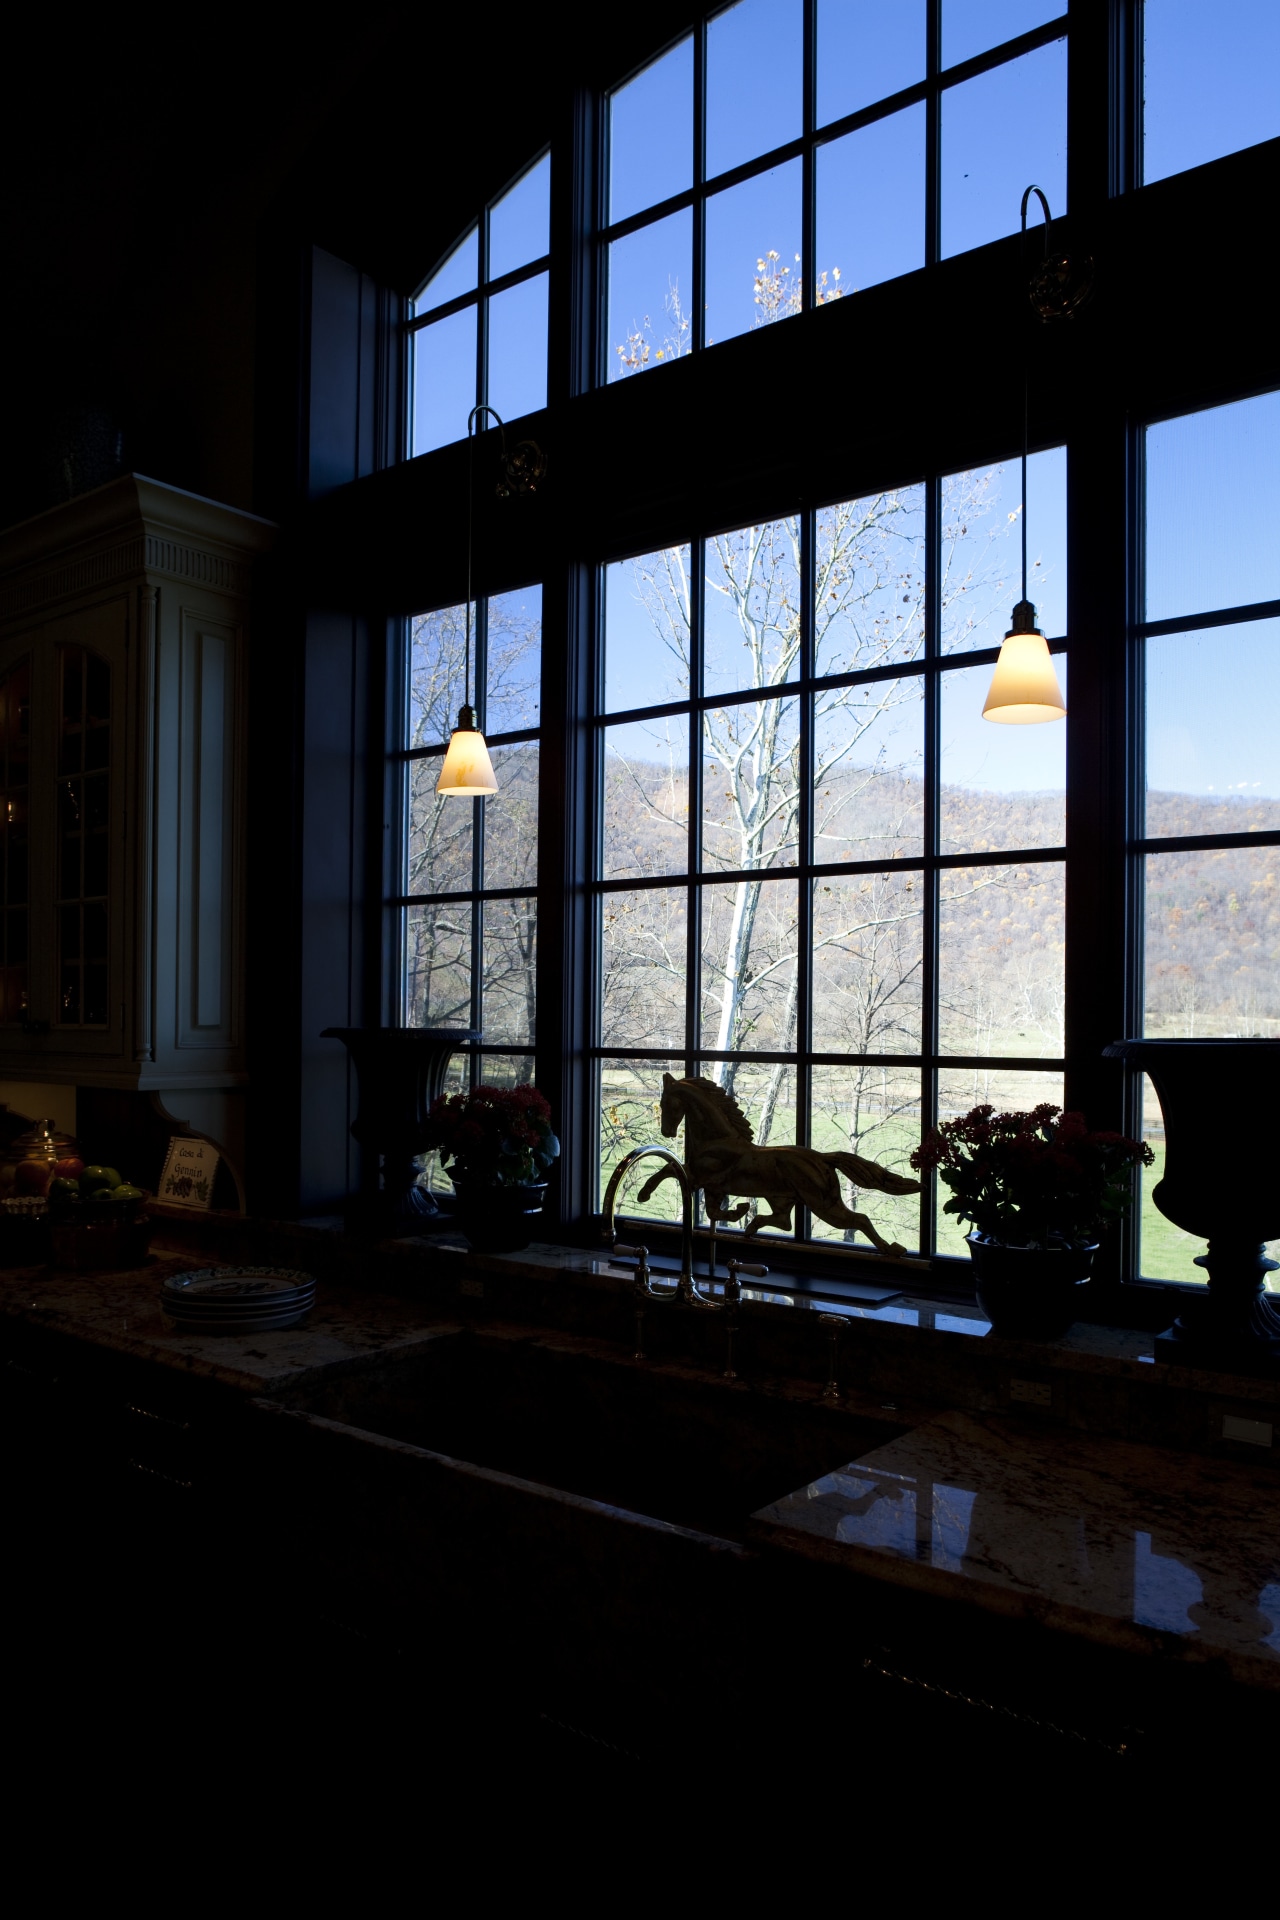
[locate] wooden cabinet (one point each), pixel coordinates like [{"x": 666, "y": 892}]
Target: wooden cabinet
[{"x": 123, "y": 696}]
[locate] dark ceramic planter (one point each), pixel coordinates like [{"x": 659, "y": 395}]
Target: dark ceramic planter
[
  {"x": 1222, "y": 1145},
  {"x": 399, "y": 1072},
  {"x": 1034, "y": 1292},
  {"x": 497, "y": 1219}
]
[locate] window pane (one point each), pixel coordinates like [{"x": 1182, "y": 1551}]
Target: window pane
[
  {"x": 650, "y": 296},
  {"x": 643, "y": 942},
  {"x": 438, "y": 851},
  {"x": 1000, "y": 959},
  {"x": 868, "y": 960},
  {"x": 437, "y": 964},
  {"x": 960, "y": 1089},
  {"x": 1167, "y": 1252},
  {"x": 520, "y": 223},
  {"x": 753, "y": 253},
  {"x": 971, "y": 27},
  {"x": 1213, "y": 506},
  {"x": 868, "y": 605},
  {"x": 875, "y": 1113},
  {"x": 630, "y": 1108},
  {"x": 455, "y": 275},
  {"x": 751, "y": 785},
  {"x": 752, "y": 620},
  {"x": 513, "y": 676},
  {"x": 749, "y": 973},
  {"x": 1213, "y": 944},
  {"x": 1211, "y": 753},
  {"x": 866, "y": 51},
  {"x": 868, "y": 797},
  {"x": 437, "y": 652},
  {"x": 1002, "y": 787},
  {"x": 506, "y": 1069},
  {"x": 509, "y": 976},
  {"x": 518, "y": 348},
  {"x": 646, "y": 630},
  {"x": 444, "y": 380},
  {"x": 1211, "y": 81},
  {"x": 511, "y": 819},
  {"x": 651, "y": 134},
  {"x": 646, "y": 799},
  {"x": 754, "y": 81},
  {"x": 999, "y": 131},
  {"x": 871, "y": 205},
  {"x": 981, "y": 571}
]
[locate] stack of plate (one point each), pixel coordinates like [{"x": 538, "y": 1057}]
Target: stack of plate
[{"x": 238, "y": 1299}]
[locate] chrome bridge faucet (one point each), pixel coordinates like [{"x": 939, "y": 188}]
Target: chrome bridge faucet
[{"x": 687, "y": 1289}]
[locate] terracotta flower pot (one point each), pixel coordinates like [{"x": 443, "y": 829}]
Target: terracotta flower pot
[
  {"x": 1035, "y": 1292},
  {"x": 497, "y": 1219}
]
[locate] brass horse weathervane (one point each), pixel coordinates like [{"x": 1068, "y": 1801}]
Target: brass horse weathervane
[{"x": 721, "y": 1157}]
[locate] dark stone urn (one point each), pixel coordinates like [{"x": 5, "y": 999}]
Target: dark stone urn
[
  {"x": 399, "y": 1072},
  {"x": 1221, "y": 1106}
]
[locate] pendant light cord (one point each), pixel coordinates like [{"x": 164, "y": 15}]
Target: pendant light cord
[
  {"x": 471, "y": 509},
  {"x": 1026, "y": 371},
  {"x": 1024, "y": 477}
]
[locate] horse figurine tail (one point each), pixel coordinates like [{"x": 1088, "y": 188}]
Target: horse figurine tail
[{"x": 865, "y": 1173}]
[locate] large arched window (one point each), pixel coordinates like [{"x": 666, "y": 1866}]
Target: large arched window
[{"x": 777, "y": 843}]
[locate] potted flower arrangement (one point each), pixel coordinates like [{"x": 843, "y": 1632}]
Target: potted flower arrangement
[
  {"x": 495, "y": 1144},
  {"x": 1038, "y": 1188}
]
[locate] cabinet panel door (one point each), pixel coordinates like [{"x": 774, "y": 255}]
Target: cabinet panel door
[
  {"x": 65, "y": 837},
  {"x": 208, "y": 855}
]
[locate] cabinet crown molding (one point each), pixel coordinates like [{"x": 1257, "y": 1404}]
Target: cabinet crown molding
[{"x": 133, "y": 525}]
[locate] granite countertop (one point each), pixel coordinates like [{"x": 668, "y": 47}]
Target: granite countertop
[
  {"x": 1131, "y": 1546},
  {"x": 1148, "y": 1548},
  {"x": 121, "y": 1312}
]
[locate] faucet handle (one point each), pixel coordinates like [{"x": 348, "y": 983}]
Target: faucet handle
[
  {"x": 733, "y": 1287},
  {"x": 640, "y": 1254}
]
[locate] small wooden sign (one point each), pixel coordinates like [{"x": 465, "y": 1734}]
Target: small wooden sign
[{"x": 189, "y": 1167}]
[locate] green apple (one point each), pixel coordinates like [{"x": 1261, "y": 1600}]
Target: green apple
[
  {"x": 95, "y": 1177},
  {"x": 126, "y": 1192}
]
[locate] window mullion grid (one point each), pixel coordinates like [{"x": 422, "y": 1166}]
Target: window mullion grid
[
  {"x": 804, "y": 852},
  {"x": 1135, "y": 795},
  {"x": 933, "y": 138},
  {"x": 699, "y": 175},
  {"x": 693, "y": 910},
  {"x": 808, "y": 189},
  {"x": 932, "y": 818},
  {"x": 479, "y": 631},
  {"x": 477, "y": 984}
]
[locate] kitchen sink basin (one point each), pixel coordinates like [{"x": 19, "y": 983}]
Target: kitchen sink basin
[{"x": 695, "y": 1452}]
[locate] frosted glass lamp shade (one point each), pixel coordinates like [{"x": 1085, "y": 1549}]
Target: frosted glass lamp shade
[
  {"x": 1024, "y": 687},
  {"x": 467, "y": 769}
]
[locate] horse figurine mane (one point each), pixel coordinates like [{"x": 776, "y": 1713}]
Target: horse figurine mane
[{"x": 717, "y": 1096}]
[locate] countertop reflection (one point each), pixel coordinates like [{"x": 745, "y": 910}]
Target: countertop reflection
[{"x": 1129, "y": 1545}]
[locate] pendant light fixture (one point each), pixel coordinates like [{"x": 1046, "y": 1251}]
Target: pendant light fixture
[
  {"x": 1024, "y": 687},
  {"x": 467, "y": 772}
]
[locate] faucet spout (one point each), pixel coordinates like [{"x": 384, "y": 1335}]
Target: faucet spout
[{"x": 674, "y": 1169}]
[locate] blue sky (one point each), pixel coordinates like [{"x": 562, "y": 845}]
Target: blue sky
[{"x": 1213, "y": 541}]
